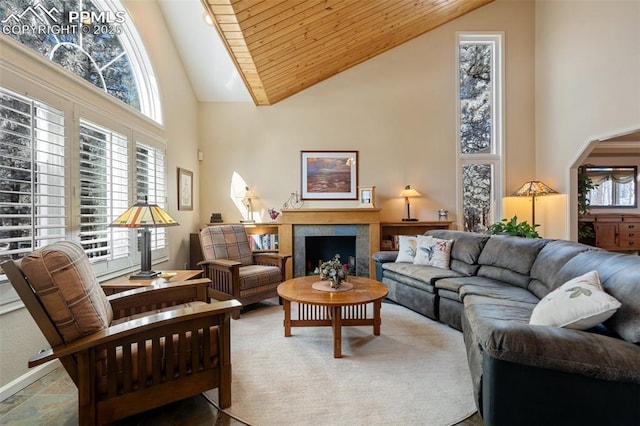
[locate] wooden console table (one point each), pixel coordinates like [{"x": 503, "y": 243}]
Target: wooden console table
[{"x": 119, "y": 284}]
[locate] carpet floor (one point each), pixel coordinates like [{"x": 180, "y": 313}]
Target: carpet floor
[{"x": 415, "y": 372}]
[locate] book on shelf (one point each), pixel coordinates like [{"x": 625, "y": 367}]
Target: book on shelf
[{"x": 261, "y": 242}]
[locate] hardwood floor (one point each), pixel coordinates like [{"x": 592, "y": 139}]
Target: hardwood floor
[{"x": 52, "y": 400}]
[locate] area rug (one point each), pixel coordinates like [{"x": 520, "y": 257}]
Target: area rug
[{"x": 415, "y": 372}]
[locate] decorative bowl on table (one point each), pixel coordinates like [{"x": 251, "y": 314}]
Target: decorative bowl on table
[{"x": 168, "y": 275}]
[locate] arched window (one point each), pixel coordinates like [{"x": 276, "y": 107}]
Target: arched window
[{"x": 93, "y": 39}]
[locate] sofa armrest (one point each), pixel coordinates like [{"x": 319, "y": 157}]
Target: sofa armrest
[{"x": 385, "y": 256}]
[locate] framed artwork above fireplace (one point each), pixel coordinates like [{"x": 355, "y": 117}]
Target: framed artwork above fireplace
[{"x": 329, "y": 175}]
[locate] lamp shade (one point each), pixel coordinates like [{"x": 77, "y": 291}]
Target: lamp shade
[
  {"x": 409, "y": 192},
  {"x": 249, "y": 194},
  {"x": 142, "y": 215},
  {"x": 533, "y": 187},
  {"x": 145, "y": 216}
]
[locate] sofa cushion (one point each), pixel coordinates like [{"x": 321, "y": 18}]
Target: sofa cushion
[
  {"x": 579, "y": 303},
  {"x": 453, "y": 283},
  {"x": 465, "y": 250},
  {"x": 448, "y": 294},
  {"x": 420, "y": 276},
  {"x": 63, "y": 279},
  {"x": 509, "y": 259},
  {"x": 620, "y": 278},
  {"x": 407, "y": 246},
  {"x": 432, "y": 251},
  {"x": 498, "y": 290},
  {"x": 549, "y": 261}
]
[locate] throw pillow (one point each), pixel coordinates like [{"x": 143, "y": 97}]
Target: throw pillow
[
  {"x": 407, "y": 245},
  {"x": 580, "y": 304},
  {"x": 64, "y": 281},
  {"x": 433, "y": 252}
]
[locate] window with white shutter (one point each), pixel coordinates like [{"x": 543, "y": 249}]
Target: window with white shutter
[
  {"x": 33, "y": 210},
  {"x": 104, "y": 191}
]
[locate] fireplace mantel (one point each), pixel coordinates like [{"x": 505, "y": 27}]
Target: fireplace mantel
[
  {"x": 328, "y": 216},
  {"x": 333, "y": 216}
]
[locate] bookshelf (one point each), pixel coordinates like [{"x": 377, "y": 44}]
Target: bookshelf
[
  {"x": 263, "y": 237},
  {"x": 389, "y": 231}
]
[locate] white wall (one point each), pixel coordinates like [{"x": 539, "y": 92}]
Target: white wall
[
  {"x": 397, "y": 109},
  {"x": 587, "y": 85},
  {"x": 180, "y": 109}
]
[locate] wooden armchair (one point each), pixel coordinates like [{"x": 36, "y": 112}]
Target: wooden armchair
[
  {"x": 131, "y": 351},
  {"x": 233, "y": 269}
]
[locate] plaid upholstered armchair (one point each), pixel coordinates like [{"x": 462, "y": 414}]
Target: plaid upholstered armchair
[
  {"x": 233, "y": 269},
  {"x": 185, "y": 341}
]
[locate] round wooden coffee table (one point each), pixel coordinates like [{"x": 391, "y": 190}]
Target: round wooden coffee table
[{"x": 317, "y": 308}]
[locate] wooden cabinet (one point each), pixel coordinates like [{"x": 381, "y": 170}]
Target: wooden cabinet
[
  {"x": 617, "y": 232},
  {"x": 629, "y": 235},
  {"x": 390, "y": 230}
]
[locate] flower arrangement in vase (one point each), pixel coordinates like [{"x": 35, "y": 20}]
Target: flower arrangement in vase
[
  {"x": 273, "y": 214},
  {"x": 333, "y": 271}
]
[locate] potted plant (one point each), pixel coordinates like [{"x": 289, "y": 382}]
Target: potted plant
[
  {"x": 512, "y": 227},
  {"x": 586, "y": 233}
]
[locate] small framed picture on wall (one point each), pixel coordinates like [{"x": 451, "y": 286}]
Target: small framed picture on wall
[
  {"x": 185, "y": 189},
  {"x": 367, "y": 196}
]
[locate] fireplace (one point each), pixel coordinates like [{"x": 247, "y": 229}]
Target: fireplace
[
  {"x": 312, "y": 243},
  {"x": 361, "y": 223},
  {"x": 322, "y": 248}
]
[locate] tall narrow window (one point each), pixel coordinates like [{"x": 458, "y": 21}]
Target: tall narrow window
[
  {"x": 33, "y": 209},
  {"x": 104, "y": 191},
  {"x": 480, "y": 128}
]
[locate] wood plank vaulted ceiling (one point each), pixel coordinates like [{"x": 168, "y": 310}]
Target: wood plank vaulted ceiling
[{"x": 281, "y": 47}]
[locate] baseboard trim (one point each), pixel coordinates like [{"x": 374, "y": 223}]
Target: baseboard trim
[{"x": 26, "y": 379}]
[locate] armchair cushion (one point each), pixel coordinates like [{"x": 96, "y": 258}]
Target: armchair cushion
[
  {"x": 226, "y": 242},
  {"x": 63, "y": 280},
  {"x": 255, "y": 276}
]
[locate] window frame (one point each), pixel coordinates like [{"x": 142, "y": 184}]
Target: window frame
[
  {"x": 26, "y": 73},
  {"x": 599, "y": 169},
  {"x": 495, "y": 158}
]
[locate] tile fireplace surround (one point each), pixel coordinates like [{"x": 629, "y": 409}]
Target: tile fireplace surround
[{"x": 362, "y": 223}]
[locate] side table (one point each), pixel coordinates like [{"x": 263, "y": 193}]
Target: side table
[{"x": 116, "y": 285}]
